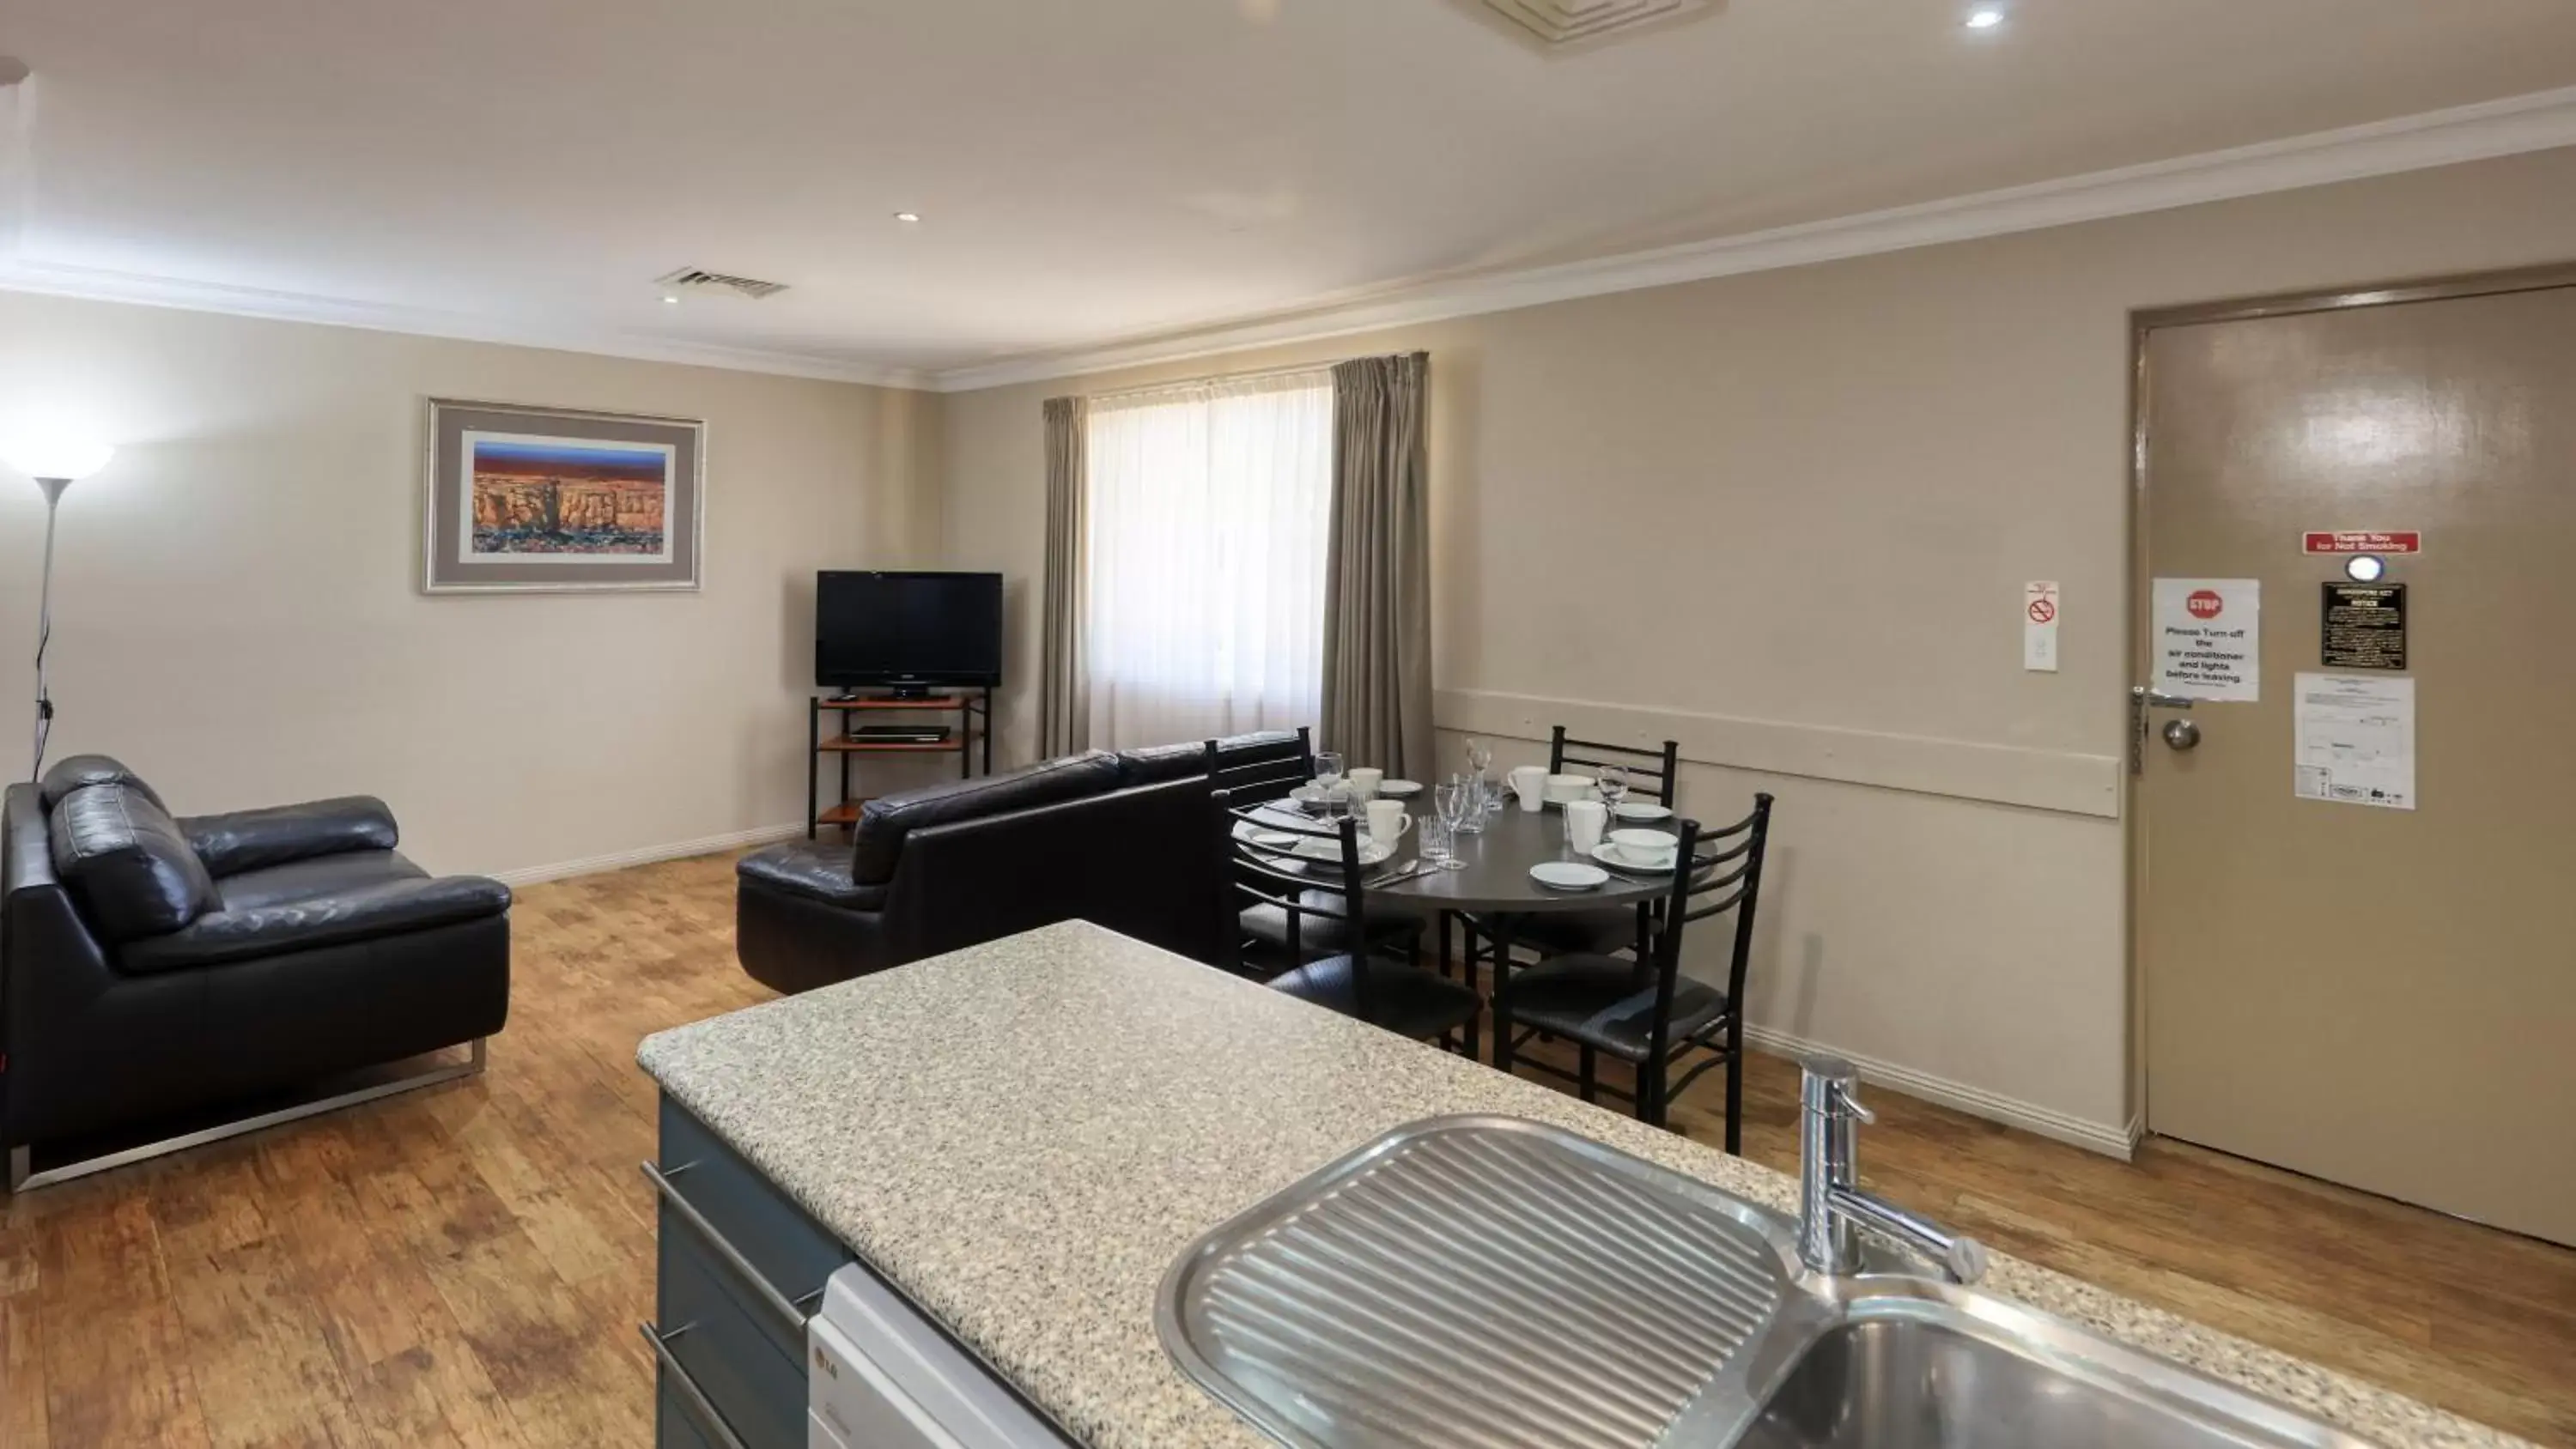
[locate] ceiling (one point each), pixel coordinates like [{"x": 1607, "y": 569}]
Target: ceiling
[{"x": 1095, "y": 172}]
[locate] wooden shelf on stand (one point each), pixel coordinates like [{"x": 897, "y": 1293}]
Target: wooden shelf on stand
[{"x": 974, "y": 711}]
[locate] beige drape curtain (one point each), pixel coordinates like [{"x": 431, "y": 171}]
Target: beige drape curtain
[
  {"x": 1064, "y": 693},
  {"x": 1377, "y": 580}
]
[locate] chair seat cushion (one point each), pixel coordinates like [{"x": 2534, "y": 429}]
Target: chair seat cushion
[
  {"x": 1607, "y": 1003},
  {"x": 1565, "y": 933},
  {"x": 814, "y": 869},
  {"x": 323, "y": 875},
  {"x": 1267, "y": 925},
  {"x": 369, "y": 912},
  {"x": 1402, "y": 999}
]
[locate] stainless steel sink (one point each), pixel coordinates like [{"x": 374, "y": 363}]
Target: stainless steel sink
[{"x": 1488, "y": 1281}]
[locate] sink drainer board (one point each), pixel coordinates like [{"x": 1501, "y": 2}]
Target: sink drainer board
[{"x": 1478, "y": 1281}]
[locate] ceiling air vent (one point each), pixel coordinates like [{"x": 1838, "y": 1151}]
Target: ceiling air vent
[
  {"x": 1570, "y": 24},
  {"x": 696, "y": 279}
]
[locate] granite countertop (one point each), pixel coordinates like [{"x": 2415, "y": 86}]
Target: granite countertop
[{"x": 1023, "y": 1135}]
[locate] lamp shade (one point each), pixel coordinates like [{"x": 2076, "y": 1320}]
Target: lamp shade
[{"x": 70, "y": 459}]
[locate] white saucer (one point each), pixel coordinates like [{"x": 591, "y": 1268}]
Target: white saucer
[
  {"x": 1567, "y": 875},
  {"x": 1399, "y": 789},
  {"x": 1643, "y": 810},
  {"x": 1617, "y": 859},
  {"x": 1325, "y": 850}
]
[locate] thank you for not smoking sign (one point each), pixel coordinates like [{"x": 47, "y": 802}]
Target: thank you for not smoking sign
[{"x": 2209, "y": 638}]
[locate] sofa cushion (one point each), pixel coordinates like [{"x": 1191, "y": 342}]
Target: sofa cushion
[
  {"x": 386, "y": 909},
  {"x": 252, "y": 839},
  {"x": 1159, "y": 764},
  {"x": 886, "y": 820},
  {"x": 125, "y": 860},
  {"x": 74, "y": 771},
  {"x": 812, "y": 868},
  {"x": 1257, "y": 748}
]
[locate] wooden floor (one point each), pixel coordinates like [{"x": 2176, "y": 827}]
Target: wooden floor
[{"x": 467, "y": 1265}]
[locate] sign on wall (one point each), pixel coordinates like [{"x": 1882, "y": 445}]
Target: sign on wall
[
  {"x": 2356, "y": 740},
  {"x": 2364, "y": 627},
  {"x": 2209, "y": 638},
  {"x": 2364, "y": 540}
]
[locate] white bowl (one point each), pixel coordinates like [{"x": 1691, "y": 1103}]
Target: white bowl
[
  {"x": 1643, "y": 845},
  {"x": 1561, "y": 788},
  {"x": 1611, "y": 855}
]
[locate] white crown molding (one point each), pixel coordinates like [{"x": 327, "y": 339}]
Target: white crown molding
[
  {"x": 2541, "y": 121},
  {"x": 26, "y": 274}
]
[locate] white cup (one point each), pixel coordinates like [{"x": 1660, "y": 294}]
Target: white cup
[
  {"x": 1530, "y": 783},
  {"x": 1584, "y": 822},
  {"x": 1387, "y": 822},
  {"x": 1364, "y": 782}
]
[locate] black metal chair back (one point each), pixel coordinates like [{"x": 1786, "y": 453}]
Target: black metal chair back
[
  {"x": 1703, "y": 888},
  {"x": 1661, "y": 767},
  {"x": 1259, "y": 775},
  {"x": 1297, "y": 876}
]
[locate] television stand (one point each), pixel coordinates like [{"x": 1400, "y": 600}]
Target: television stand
[{"x": 974, "y": 711}]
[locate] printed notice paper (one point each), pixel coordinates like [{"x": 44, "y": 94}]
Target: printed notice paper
[
  {"x": 2356, "y": 735},
  {"x": 2209, "y": 638}
]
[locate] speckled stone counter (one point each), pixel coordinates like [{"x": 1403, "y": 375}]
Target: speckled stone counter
[{"x": 1024, "y": 1135}]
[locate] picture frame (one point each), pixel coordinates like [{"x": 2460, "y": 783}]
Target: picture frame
[{"x": 524, "y": 499}]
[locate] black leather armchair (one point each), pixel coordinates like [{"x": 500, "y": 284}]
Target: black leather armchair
[
  {"x": 1118, "y": 840},
  {"x": 155, "y": 971}
]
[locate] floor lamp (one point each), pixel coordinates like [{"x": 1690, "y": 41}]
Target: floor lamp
[{"x": 55, "y": 464}]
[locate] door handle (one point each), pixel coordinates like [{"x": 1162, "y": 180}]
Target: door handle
[
  {"x": 2181, "y": 734},
  {"x": 2144, "y": 698}
]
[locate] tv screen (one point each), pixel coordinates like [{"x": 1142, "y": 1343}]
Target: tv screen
[{"x": 907, "y": 629}]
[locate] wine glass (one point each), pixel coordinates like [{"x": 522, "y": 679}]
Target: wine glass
[
  {"x": 1451, "y": 800},
  {"x": 1612, "y": 782},
  {"x": 1480, "y": 758},
  {"x": 1328, "y": 767}
]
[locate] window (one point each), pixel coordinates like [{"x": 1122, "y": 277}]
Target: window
[{"x": 1208, "y": 520}]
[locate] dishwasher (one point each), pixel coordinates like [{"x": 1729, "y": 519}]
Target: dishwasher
[{"x": 884, "y": 1377}]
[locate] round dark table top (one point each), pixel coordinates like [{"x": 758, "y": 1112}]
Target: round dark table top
[{"x": 1495, "y": 876}]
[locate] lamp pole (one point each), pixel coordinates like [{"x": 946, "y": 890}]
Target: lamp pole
[{"x": 45, "y": 622}]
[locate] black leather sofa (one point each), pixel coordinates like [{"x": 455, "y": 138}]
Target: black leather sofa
[
  {"x": 156, "y": 970},
  {"x": 1120, "y": 840}
]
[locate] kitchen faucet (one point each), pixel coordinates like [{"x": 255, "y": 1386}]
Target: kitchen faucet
[{"x": 1831, "y": 1206}]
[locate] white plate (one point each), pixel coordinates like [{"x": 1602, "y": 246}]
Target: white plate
[
  {"x": 1567, "y": 875},
  {"x": 1329, "y": 851},
  {"x": 1613, "y": 857},
  {"x": 1644, "y": 810},
  {"x": 1399, "y": 789}
]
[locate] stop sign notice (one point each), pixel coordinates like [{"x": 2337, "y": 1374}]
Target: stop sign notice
[{"x": 2205, "y": 604}]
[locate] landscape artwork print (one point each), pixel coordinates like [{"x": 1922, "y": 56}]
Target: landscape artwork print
[
  {"x": 525, "y": 499},
  {"x": 566, "y": 499}
]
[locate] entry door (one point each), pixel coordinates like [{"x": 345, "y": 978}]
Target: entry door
[{"x": 2380, "y": 997}]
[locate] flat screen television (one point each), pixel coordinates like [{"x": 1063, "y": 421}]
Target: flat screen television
[{"x": 913, "y": 632}]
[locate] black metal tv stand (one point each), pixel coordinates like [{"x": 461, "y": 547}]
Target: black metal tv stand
[{"x": 974, "y": 711}]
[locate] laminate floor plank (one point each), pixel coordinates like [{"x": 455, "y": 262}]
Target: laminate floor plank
[{"x": 465, "y": 1265}]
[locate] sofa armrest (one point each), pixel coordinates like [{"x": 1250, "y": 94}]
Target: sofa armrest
[
  {"x": 255, "y": 839},
  {"x": 388, "y": 909},
  {"x": 811, "y": 869}
]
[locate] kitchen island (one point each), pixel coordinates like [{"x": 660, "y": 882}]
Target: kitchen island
[{"x": 1020, "y": 1139}]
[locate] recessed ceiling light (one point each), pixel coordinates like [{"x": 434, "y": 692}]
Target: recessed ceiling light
[
  {"x": 907, "y": 216},
  {"x": 1984, "y": 19}
]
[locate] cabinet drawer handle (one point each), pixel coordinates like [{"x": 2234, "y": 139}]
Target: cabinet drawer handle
[
  {"x": 791, "y": 1317},
  {"x": 696, "y": 1398}
]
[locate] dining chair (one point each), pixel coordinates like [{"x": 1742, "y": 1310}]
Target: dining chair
[
  {"x": 1273, "y": 935},
  {"x": 1326, "y": 887},
  {"x": 1596, "y": 932},
  {"x": 1644, "y": 1011},
  {"x": 1263, "y": 771}
]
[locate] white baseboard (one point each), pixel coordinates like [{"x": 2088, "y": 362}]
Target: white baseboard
[
  {"x": 2120, "y": 1142},
  {"x": 649, "y": 855}
]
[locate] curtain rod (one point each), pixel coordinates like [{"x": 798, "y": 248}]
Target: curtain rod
[{"x": 1185, "y": 383}]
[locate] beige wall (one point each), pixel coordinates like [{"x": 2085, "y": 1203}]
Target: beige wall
[
  {"x": 1786, "y": 518},
  {"x": 237, "y": 606}
]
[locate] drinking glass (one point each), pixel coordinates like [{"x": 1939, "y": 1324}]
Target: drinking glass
[
  {"x": 1328, "y": 767},
  {"x": 1450, "y": 801},
  {"x": 1471, "y": 804},
  {"x": 1337, "y": 802},
  {"x": 1612, "y": 782},
  {"x": 1439, "y": 847}
]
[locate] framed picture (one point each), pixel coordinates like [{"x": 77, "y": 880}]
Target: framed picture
[{"x": 523, "y": 499}]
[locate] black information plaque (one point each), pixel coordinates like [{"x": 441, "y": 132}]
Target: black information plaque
[{"x": 2365, "y": 626}]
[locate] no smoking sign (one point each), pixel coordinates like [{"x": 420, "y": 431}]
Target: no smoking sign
[{"x": 2039, "y": 626}]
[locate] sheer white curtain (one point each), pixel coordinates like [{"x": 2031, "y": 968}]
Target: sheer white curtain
[{"x": 1205, "y": 595}]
